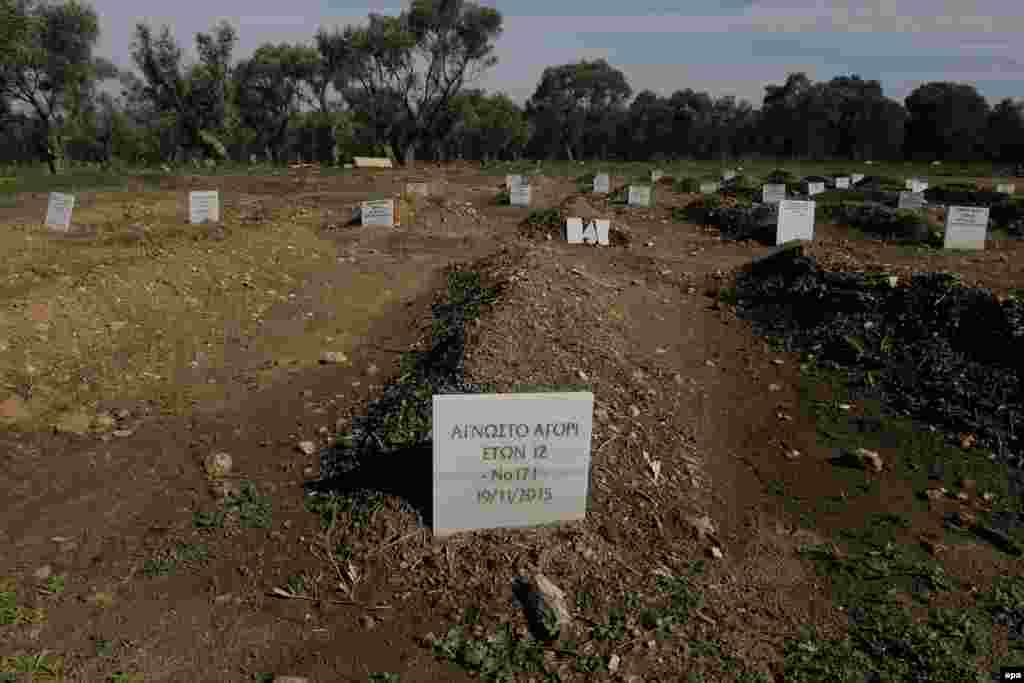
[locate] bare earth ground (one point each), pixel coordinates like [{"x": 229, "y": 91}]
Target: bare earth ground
[{"x": 208, "y": 339}]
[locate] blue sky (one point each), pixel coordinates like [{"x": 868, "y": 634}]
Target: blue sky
[{"x": 729, "y": 47}]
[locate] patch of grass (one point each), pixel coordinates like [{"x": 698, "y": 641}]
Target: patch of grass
[
  {"x": 13, "y": 614},
  {"x": 496, "y": 659},
  {"x": 252, "y": 508},
  {"x": 126, "y": 677},
  {"x": 104, "y": 648},
  {"x": 209, "y": 520},
  {"x": 296, "y": 584},
  {"x": 55, "y": 584},
  {"x": 167, "y": 562},
  {"x": 42, "y": 666}
]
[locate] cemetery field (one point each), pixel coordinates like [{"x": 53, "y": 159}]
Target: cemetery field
[{"x": 733, "y": 530}]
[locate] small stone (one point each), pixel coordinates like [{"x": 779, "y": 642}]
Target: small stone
[
  {"x": 372, "y": 369},
  {"x": 716, "y": 552},
  {"x": 613, "y": 663},
  {"x": 217, "y": 465},
  {"x": 43, "y": 573},
  {"x": 963, "y": 497},
  {"x": 967, "y": 441},
  {"x": 366, "y": 622},
  {"x": 13, "y": 409},
  {"x": 307, "y": 447},
  {"x": 634, "y": 412},
  {"x": 778, "y": 361},
  {"x": 988, "y": 496},
  {"x": 333, "y": 358},
  {"x": 123, "y": 414},
  {"x": 546, "y": 608},
  {"x": 709, "y": 363},
  {"x": 935, "y": 494},
  {"x": 582, "y": 375},
  {"x": 122, "y": 433},
  {"x": 703, "y": 526},
  {"x": 774, "y": 387},
  {"x": 792, "y": 454}
]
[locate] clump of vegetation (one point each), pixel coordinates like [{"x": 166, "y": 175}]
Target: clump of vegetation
[
  {"x": 687, "y": 185},
  {"x": 736, "y": 217},
  {"x": 962, "y": 194},
  {"x": 884, "y": 221},
  {"x": 541, "y": 223},
  {"x": 743, "y": 188},
  {"x": 881, "y": 183},
  {"x": 780, "y": 177},
  {"x": 1009, "y": 215}
]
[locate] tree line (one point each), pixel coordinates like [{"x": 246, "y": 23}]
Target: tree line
[{"x": 403, "y": 86}]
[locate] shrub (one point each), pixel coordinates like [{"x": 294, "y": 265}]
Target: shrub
[
  {"x": 688, "y": 185},
  {"x": 780, "y": 177},
  {"x": 962, "y": 194}
]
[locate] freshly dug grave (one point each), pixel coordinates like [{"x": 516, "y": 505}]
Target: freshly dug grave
[{"x": 941, "y": 352}]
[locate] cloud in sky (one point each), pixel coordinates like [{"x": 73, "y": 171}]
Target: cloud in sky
[{"x": 722, "y": 46}]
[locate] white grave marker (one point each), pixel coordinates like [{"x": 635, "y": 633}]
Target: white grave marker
[
  {"x": 966, "y": 227},
  {"x": 843, "y": 183},
  {"x": 639, "y": 195},
  {"x": 510, "y": 460},
  {"x": 916, "y": 185},
  {"x": 709, "y": 188},
  {"x": 602, "y": 184},
  {"x": 795, "y": 221},
  {"x": 596, "y": 232},
  {"x": 911, "y": 200},
  {"x": 574, "y": 230},
  {"x": 204, "y": 207},
  {"x": 58, "y": 211},
  {"x": 379, "y": 212},
  {"x": 519, "y": 195},
  {"x": 1006, "y": 188},
  {"x": 773, "y": 194},
  {"x": 856, "y": 178},
  {"x": 514, "y": 181},
  {"x": 815, "y": 188}
]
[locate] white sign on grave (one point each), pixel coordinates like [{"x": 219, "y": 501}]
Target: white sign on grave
[
  {"x": 204, "y": 207},
  {"x": 856, "y": 178},
  {"x": 795, "y": 221},
  {"x": 58, "y": 211},
  {"x": 1006, "y": 188},
  {"x": 596, "y": 232},
  {"x": 639, "y": 195},
  {"x": 656, "y": 176},
  {"x": 574, "y": 230},
  {"x": 815, "y": 188},
  {"x": 916, "y": 185},
  {"x": 911, "y": 200},
  {"x": 843, "y": 183},
  {"x": 514, "y": 181},
  {"x": 520, "y": 195},
  {"x": 379, "y": 213},
  {"x": 773, "y": 194},
  {"x": 966, "y": 227},
  {"x": 510, "y": 460},
  {"x": 418, "y": 189},
  {"x": 708, "y": 188},
  {"x": 602, "y": 184}
]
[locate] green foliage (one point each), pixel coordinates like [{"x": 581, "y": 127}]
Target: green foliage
[
  {"x": 544, "y": 218},
  {"x": 687, "y": 185},
  {"x": 780, "y": 176},
  {"x": 252, "y": 508},
  {"x": 496, "y": 659}
]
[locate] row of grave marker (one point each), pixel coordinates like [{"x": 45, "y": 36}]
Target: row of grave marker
[{"x": 203, "y": 207}]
